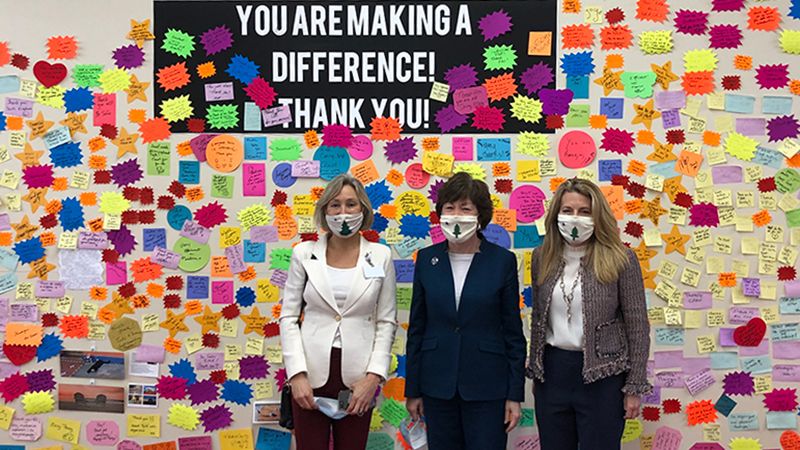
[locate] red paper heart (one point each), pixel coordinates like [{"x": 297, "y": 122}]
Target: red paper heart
[
  {"x": 790, "y": 440},
  {"x": 49, "y": 74},
  {"x": 19, "y": 354},
  {"x": 751, "y": 333}
]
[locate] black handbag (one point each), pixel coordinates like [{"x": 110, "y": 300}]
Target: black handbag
[{"x": 286, "y": 420}]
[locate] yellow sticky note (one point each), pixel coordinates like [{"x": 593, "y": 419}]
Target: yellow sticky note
[
  {"x": 528, "y": 170},
  {"x": 652, "y": 237},
  {"x": 656, "y": 42},
  {"x": 692, "y": 319},
  {"x": 144, "y": 425},
  {"x": 38, "y": 402},
  {"x": 239, "y": 439},
  {"x": 64, "y": 430},
  {"x": 436, "y": 163},
  {"x": 229, "y": 236},
  {"x": 476, "y": 171},
  {"x": 262, "y": 390},
  {"x": 183, "y": 416},
  {"x": 533, "y": 144},
  {"x": 6, "y": 414},
  {"x": 274, "y": 354},
  {"x": 706, "y": 344},
  {"x": 715, "y": 318}
]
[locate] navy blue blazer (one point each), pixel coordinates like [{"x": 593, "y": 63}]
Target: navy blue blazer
[{"x": 479, "y": 349}]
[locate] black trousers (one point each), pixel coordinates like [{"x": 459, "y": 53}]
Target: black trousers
[
  {"x": 458, "y": 424},
  {"x": 570, "y": 413}
]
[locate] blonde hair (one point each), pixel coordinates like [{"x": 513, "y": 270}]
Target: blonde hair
[
  {"x": 333, "y": 189},
  {"x": 606, "y": 254}
]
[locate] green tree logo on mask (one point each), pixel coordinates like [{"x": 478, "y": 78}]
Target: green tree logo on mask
[
  {"x": 457, "y": 231},
  {"x": 574, "y": 234},
  {"x": 346, "y": 231}
]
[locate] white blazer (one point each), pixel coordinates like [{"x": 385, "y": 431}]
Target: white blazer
[{"x": 367, "y": 322}]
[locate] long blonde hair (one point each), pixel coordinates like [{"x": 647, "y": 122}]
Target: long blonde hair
[{"x": 606, "y": 254}]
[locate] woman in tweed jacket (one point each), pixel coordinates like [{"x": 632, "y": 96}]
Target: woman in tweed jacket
[{"x": 590, "y": 337}]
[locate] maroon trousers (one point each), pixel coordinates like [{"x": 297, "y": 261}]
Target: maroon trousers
[{"x": 312, "y": 429}]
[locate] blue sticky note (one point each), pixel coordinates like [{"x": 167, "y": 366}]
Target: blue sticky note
[
  {"x": 254, "y": 252},
  {"x": 71, "y": 214},
  {"x": 404, "y": 270},
  {"x": 78, "y": 99},
  {"x": 579, "y": 85},
  {"x": 8, "y": 260},
  {"x": 527, "y": 236},
  {"x": 51, "y": 345},
  {"x": 380, "y": 223},
  {"x": 252, "y": 117},
  {"x": 8, "y": 281},
  {"x": 497, "y": 235},
  {"x": 789, "y": 305},
  {"x": 724, "y": 360},
  {"x": 743, "y": 421},
  {"x": 196, "y": 287},
  {"x": 189, "y": 172},
  {"x": 768, "y": 157},
  {"x": 29, "y": 250},
  {"x": 670, "y": 336},
  {"x": 607, "y": 168},
  {"x": 665, "y": 169},
  {"x": 183, "y": 369},
  {"x": 2, "y": 121},
  {"x": 236, "y": 391},
  {"x": 781, "y": 420},
  {"x": 379, "y": 194},
  {"x": 612, "y": 108},
  {"x": 12, "y": 447},
  {"x": 282, "y": 176},
  {"x": 242, "y": 69},
  {"x": 494, "y": 149},
  {"x": 152, "y": 237},
  {"x": 743, "y": 104},
  {"x": 269, "y": 439},
  {"x": 415, "y": 226},
  {"x": 756, "y": 364},
  {"x": 56, "y": 136},
  {"x": 66, "y": 155},
  {"x": 577, "y": 64},
  {"x": 724, "y": 405},
  {"x": 9, "y": 84},
  {"x": 776, "y": 105},
  {"x": 794, "y": 9},
  {"x": 255, "y": 148},
  {"x": 177, "y": 216}
]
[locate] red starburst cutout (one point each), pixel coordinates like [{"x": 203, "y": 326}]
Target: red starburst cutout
[
  {"x": 767, "y": 185},
  {"x": 177, "y": 189},
  {"x": 787, "y": 273},
  {"x": 503, "y": 186},
  {"x": 231, "y": 311},
  {"x": 175, "y": 283},
  {"x": 634, "y": 229},
  {"x": 671, "y": 406}
]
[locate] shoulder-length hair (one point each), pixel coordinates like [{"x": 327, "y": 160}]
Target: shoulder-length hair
[
  {"x": 462, "y": 186},
  {"x": 333, "y": 189},
  {"x": 606, "y": 254}
]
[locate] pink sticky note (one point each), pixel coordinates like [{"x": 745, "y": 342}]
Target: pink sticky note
[
  {"x": 104, "y": 110},
  {"x": 760, "y": 349},
  {"x": 195, "y": 232},
  {"x": 726, "y": 174},
  {"x": 467, "y": 99},
  {"x": 667, "y": 438},
  {"x": 92, "y": 241},
  {"x": 5, "y": 222},
  {"x": 668, "y": 359},
  {"x": 254, "y": 179},
  {"x": 276, "y": 116},
  {"x": 527, "y": 442},
  {"x": 437, "y": 235},
  {"x": 463, "y": 148},
  {"x": 49, "y": 288},
  {"x": 116, "y": 272},
  {"x": 195, "y": 443},
  {"x": 235, "y": 255},
  {"x": 102, "y": 432},
  {"x": 25, "y": 428},
  {"x": 219, "y": 91},
  {"x": 149, "y": 353},
  {"x": 726, "y": 337},
  {"x": 697, "y": 300},
  {"x": 222, "y": 292},
  {"x": 792, "y": 288},
  {"x": 741, "y": 314},
  {"x": 694, "y": 365},
  {"x": 166, "y": 258},
  {"x": 209, "y": 361},
  {"x": 360, "y": 147},
  {"x": 700, "y": 381},
  {"x": 786, "y": 372},
  {"x": 128, "y": 445},
  {"x": 265, "y": 233},
  {"x": 305, "y": 169},
  {"x": 786, "y": 349}
]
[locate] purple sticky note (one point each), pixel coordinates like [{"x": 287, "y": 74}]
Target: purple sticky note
[
  {"x": 203, "y": 392},
  {"x": 668, "y": 359},
  {"x": 697, "y": 300},
  {"x": 214, "y": 41},
  {"x": 700, "y": 381},
  {"x": 279, "y": 278},
  {"x": 219, "y": 91},
  {"x": 305, "y": 169},
  {"x": 741, "y": 314},
  {"x": 671, "y": 118},
  {"x": 726, "y": 174},
  {"x": 5, "y": 222},
  {"x": 751, "y": 127},
  {"x": 199, "y": 144},
  {"x": 235, "y": 255},
  {"x": 3, "y": 315},
  {"x": 653, "y": 398},
  {"x": 276, "y": 116},
  {"x": 222, "y": 292},
  {"x": 195, "y": 442},
  {"x": 792, "y": 288},
  {"x": 196, "y": 287},
  {"x": 786, "y": 349},
  {"x": 264, "y": 233},
  {"x": 253, "y": 367},
  {"x": 555, "y": 101},
  {"x": 467, "y": 99},
  {"x": 195, "y": 232},
  {"x": 19, "y": 107},
  {"x": 23, "y": 312},
  {"x": 759, "y": 350},
  {"x": 254, "y": 179},
  {"x": 751, "y": 287},
  {"x": 149, "y": 353},
  {"x": 92, "y": 241},
  {"x": 209, "y": 361},
  {"x": 49, "y": 288},
  {"x": 786, "y": 372},
  {"x": 670, "y": 100},
  {"x": 463, "y": 148},
  {"x": 166, "y": 258},
  {"x": 694, "y": 365},
  {"x": 404, "y": 270},
  {"x": 116, "y": 272}
]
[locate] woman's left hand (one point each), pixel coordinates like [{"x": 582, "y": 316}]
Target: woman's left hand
[
  {"x": 363, "y": 393},
  {"x": 513, "y": 414},
  {"x": 632, "y": 405}
]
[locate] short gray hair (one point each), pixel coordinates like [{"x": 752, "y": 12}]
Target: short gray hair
[{"x": 333, "y": 189}]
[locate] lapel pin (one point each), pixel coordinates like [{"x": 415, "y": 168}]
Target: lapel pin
[{"x": 434, "y": 261}]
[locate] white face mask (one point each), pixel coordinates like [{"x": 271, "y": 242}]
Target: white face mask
[
  {"x": 575, "y": 229},
  {"x": 330, "y": 407},
  {"x": 458, "y": 229},
  {"x": 345, "y": 225}
]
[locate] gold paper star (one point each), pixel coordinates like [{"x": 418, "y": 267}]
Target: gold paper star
[
  {"x": 38, "y": 126},
  {"x": 29, "y": 156},
  {"x": 119, "y": 305},
  {"x": 140, "y": 32},
  {"x": 673, "y": 186},
  {"x": 35, "y": 197},
  {"x": 649, "y": 278},
  {"x": 254, "y": 321},
  {"x": 125, "y": 142},
  {"x": 664, "y": 74},
  {"x": 652, "y": 210},
  {"x": 662, "y": 153},
  {"x": 40, "y": 268},
  {"x": 209, "y": 320},
  {"x": 610, "y": 81},
  {"x": 74, "y": 122},
  {"x": 645, "y": 114},
  {"x": 675, "y": 241},
  {"x": 644, "y": 255},
  {"x": 24, "y": 229},
  {"x": 174, "y": 323},
  {"x": 136, "y": 89}
]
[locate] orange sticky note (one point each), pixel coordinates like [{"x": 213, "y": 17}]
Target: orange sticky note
[
  {"x": 743, "y": 62},
  {"x": 698, "y": 83},
  {"x": 312, "y": 138},
  {"x": 577, "y": 36},
  {"x": 173, "y": 77},
  {"x": 540, "y": 42},
  {"x": 711, "y": 138},
  {"x": 14, "y": 123},
  {"x": 501, "y": 169},
  {"x": 614, "y": 195},
  {"x": 88, "y": 198},
  {"x": 97, "y": 162},
  {"x": 250, "y": 273},
  {"x": 614, "y": 61},
  {"x": 137, "y": 115},
  {"x": 645, "y": 137},
  {"x": 727, "y": 279},
  {"x": 652, "y": 10},
  {"x": 193, "y": 307},
  {"x": 571, "y": 6},
  {"x": 385, "y": 129},
  {"x": 155, "y": 290},
  {"x": 97, "y": 143},
  {"x": 430, "y": 144},
  {"x": 506, "y": 218},
  {"x": 701, "y": 411},
  {"x": 615, "y": 37},
  {"x": 763, "y": 18},
  {"x": 206, "y": 70},
  {"x": 220, "y": 267},
  {"x": 184, "y": 148},
  {"x": 365, "y": 172},
  {"x": 395, "y": 388},
  {"x": 555, "y": 182},
  {"x": 598, "y": 121},
  {"x": 22, "y": 333},
  {"x": 633, "y": 206},
  {"x": 688, "y": 163},
  {"x": 99, "y": 293},
  {"x": 172, "y": 345}
]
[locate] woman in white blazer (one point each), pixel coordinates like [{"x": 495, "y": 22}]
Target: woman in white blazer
[{"x": 338, "y": 321}]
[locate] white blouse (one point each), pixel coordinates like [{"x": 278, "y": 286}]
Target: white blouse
[
  {"x": 562, "y": 333},
  {"x": 340, "y": 281}
]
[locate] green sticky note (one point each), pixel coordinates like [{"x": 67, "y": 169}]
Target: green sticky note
[
  {"x": 285, "y": 149},
  {"x": 279, "y": 258},
  {"x": 222, "y": 116},
  {"x": 379, "y": 441},
  {"x": 499, "y": 57},
  {"x": 787, "y": 180},
  {"x": 221, "y": 186},
  {"x": 87, "y": 75},
  {"x": 578, "y": 116},
  {"x": 393, "y": 411},
  {"x": 793, "y": 218},
  {"x": 403, "y": 298},
  {"x": 194, "y": 255},
  {"x": 527, "y": 419},
  {"x": 178, "y": 43},
  {"x": 638, "y": 84},
  {"x": 158, "y": 158}
]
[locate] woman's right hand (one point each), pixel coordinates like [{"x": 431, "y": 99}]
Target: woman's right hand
[
  {"x": 302, "y": 392},
  {"x": 414, "y": 407}
]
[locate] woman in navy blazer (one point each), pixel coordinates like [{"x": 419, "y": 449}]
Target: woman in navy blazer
[{"x": 465, "y": 354}]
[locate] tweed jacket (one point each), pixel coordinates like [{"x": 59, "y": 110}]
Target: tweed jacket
[{"x": 615, "y": 326}]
